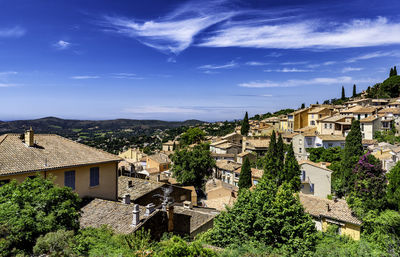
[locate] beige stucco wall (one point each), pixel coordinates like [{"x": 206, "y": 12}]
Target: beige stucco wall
[
  {"x": 370, "y": 128},
  {"x": 348, "y": 229},
  {"x": 321, "y": 179},
  {"x": 133, "y": 154},
  {"x": 298, "y": 147},
  {"x": 107, "y": 188}
]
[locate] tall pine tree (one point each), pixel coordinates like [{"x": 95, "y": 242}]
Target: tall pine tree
[
  {"x": 343, "y": 94},
  {"x": 352, "y": 151},
  {"x": 291, "y": 170},
  {"x": 280, "y": 149},
  {"x": 244, "y": 130},
  {"x": 245, "y": 175},
  {"x": 394, "y": 71},
  {"x": 354, "y": 90},
  {"x": 303, "y": 105},
  {"x": 391, "y": 72}
]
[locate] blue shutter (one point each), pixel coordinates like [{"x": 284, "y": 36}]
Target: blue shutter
[
  {"x": 69, "y": 179},
  {"x": 94, "y": 176},
  {"x": 303, "y": 177},
  {"x": 312, "y": 188}
]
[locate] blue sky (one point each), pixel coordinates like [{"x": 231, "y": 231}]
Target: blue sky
[{"x": 177, "y": 60}]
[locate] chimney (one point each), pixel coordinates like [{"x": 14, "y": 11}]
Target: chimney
[
  {"x": 328, "y": 207},
  {"x": 170, "y": 214},
  {"x": 126, "y": 199},
  {"x": 149, "y": 209},
  {"x": 29, "y": 138},
  {"x": 136, "y": 213}
]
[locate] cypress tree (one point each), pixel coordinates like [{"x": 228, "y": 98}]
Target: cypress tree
[
  {"x": 352, "y": 151},
  {"x": 270, "y": 159},
  {"x": 303, "y": 105},
  {"x": 245, "y": 175},
  {"x": 291, "y": 170},
  {"x": 317, "y": 102},
  {"x": 354, "y": 90},
  {"x": 245, "y": 125},
  {"x": 393, "y": 188},
  {"x": 343, "y": 94},
  {"x": 391, "y": 72},
  {"x": 280, "y": 149},
  {"x": 394, "y": 71}
]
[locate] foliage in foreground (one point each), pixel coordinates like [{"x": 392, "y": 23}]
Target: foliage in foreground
[{"x": 31, "y": 209}]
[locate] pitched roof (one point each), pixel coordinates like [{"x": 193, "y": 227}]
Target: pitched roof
[
  {"x": 160, "y": 158},
  {"x": 331, "y": 138},
  {"x": 321, "y": 165},
  {"x": 50, "y": 152},
  {"x": 369, "y": 119},
  {"x": 139, "y": 187},
  {"x": 198, "y": 216},
  {"x": 338, "y": 210},
  {"x": 390, "y": 110},
  {"x": 257, "y": 143},
  {"x": 227, "y": 165},
  {"x": 317, "y": 109},
  {"x": 219, "y": 142},
  {"x": 114, "y": 214},
  {"x": 334, "y": 118}
]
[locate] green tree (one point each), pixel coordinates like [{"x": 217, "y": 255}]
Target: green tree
[
  {"x": 280, "y": 150},
  {"x": 270, "y": 160},
  {"x": 394, "y": 71},
  {"x": 33, "y": 208},
  {"x": 343, "y": 94},
  {"x": 352, "y": 151},
  {"x": 245, "y": 175},
  {"x": 303, "y": 105},
  {"x": 354, "y": 90},
  {"x": 192, "y": 166},
  {"x": 291, "y": 170},
  {"x": 55, "y": 244},
  {"x": 268, "y": 215},
  {"x": 393, "y": 188},
  {"x": 391, "y": 72},
  {"x": 192, "y": 136},
  {"x": 368, "y": 191},
  {"x": 177, "y": 247},
  {"x": 244, "y": 130}
]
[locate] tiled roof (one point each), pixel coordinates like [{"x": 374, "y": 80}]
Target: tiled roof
[
  {"x": 317, "y": 110},
  {"x": 369, "y": 141},
  {"x": 360, "y": 109},
  {"x": 369, "y": 119},
  {"x": 114, "y": 214},
  {"x": 257, "y": 143},
  {"x": 219, "y": 142},
  {"x": 331, "y": 138},
  {"x": 333, "y": 118},
  {"x": 227, "y": 145},
  {"x": 198, "y": 216},
  {"x": 289, "y": 135},
  {"x": 50, "y": 152},
  {"x": 320, "y": 165},
  {"x": 230, "y": 135},
  {"x": 338, "y": 210},
  {"x": 227, "y": 155},
  {"x": 390, "y": 110},
  {"x": 139, "y": 187},
  {"x": 160, "y": 158},
  {"x": 227, "y": 165}
]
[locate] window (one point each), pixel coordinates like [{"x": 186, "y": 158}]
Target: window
[
  {"x": 4, "y": 181},
  {"x": 330, "y": 125},
  {"x": 312, "y": 123},
  {"x": 94, "y": 176},
  {"x": 326, "y": 125},
  {"x": 300, "y": 150},
  {"x": 312, "y": 188},
  {"x": 330, "y": 144},
  {"x": 312, "y": 116},
  {"x": 303, "y": 175},
  {"x": 69, "y": 179},
  {"x": 362, "y": 126},
  {"x": 358, "y": 117}
]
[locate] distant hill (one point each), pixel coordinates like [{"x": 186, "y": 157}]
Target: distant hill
[{"x": 63, "y": 126}]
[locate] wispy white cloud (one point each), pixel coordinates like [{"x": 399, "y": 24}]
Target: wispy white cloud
[
  {"x": 85, "y": 77},
  {"x": 62, "y": 45},
  {"x": 306, "y": 34},
  {"x": 163, "y": 109},
  {"x": 349, "y": 69},
  {"x": 373, "y": 55},
  {"x": 301, "y": 82},
  {"x": 174, "y": 32},
  {"x": 12, "y": 32},
  {"x": 254, "y": 63},
  {"x": 125, "y": 75},
  {"x": 294, "y": 63},
  {"x": 229, "y": 65},
  {"x": 6, "y": 85},
  {"x": 7, "y": 73},
  {"x": 287, "y": 70}
]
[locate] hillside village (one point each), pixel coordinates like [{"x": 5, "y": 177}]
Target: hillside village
[{"x": 196, "y": 179}]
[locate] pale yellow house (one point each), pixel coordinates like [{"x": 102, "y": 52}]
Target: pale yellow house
[
  {"x": 327, "y": 212},
  {"x": 318, "y": 113},
  {"x": 88, "y": 171},
  {"x": 283, "y": 124},
  {"x": 133, "y": 155},
  {"x": 159, "y": 161}
]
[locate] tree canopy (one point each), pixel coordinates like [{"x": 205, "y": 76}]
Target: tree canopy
[
  {"x": 192, "y": 166},
  {"x": 192, "y": 136},
  {"x": 393, "y": 188},
  {"x": 33, "y": 208}
]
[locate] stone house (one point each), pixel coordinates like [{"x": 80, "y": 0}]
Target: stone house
[{"x": 369, "y": 126}]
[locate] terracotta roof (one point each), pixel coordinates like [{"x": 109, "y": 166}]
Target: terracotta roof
[
  {"x": 390, "y": 110},
  {"x": 369, "y": 119},
  {"x": 220, "y": 203},
  {"x": 318, "y": 207},
  {"x": 160, "y": 158},
  {"x": 50, "y": 152},
  {"x": 243, "y": 154},
  {"x": 361, "y": 109},
  {"x": 227, "y": 145},
  {"x": 227, "y": 165},
  {"x": 317, "y": 110},
  {"x": 369, "y": 141},
  {"x": 139, "y": 187},
  {"x": 321, "y": 165},
  {"x": 331, "y": 138},
  {"x": 289, "y": 135},
  {"x": 257, "y": 143},
  {"x": 333, "y": 118},
  {"x": 114, "y": 214},
  {"x": 219, "y": 142},
  {"x": 230, "y": 135},
  {"x": 215, "y": 184},
  {"x": 307, "y": 129}
]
